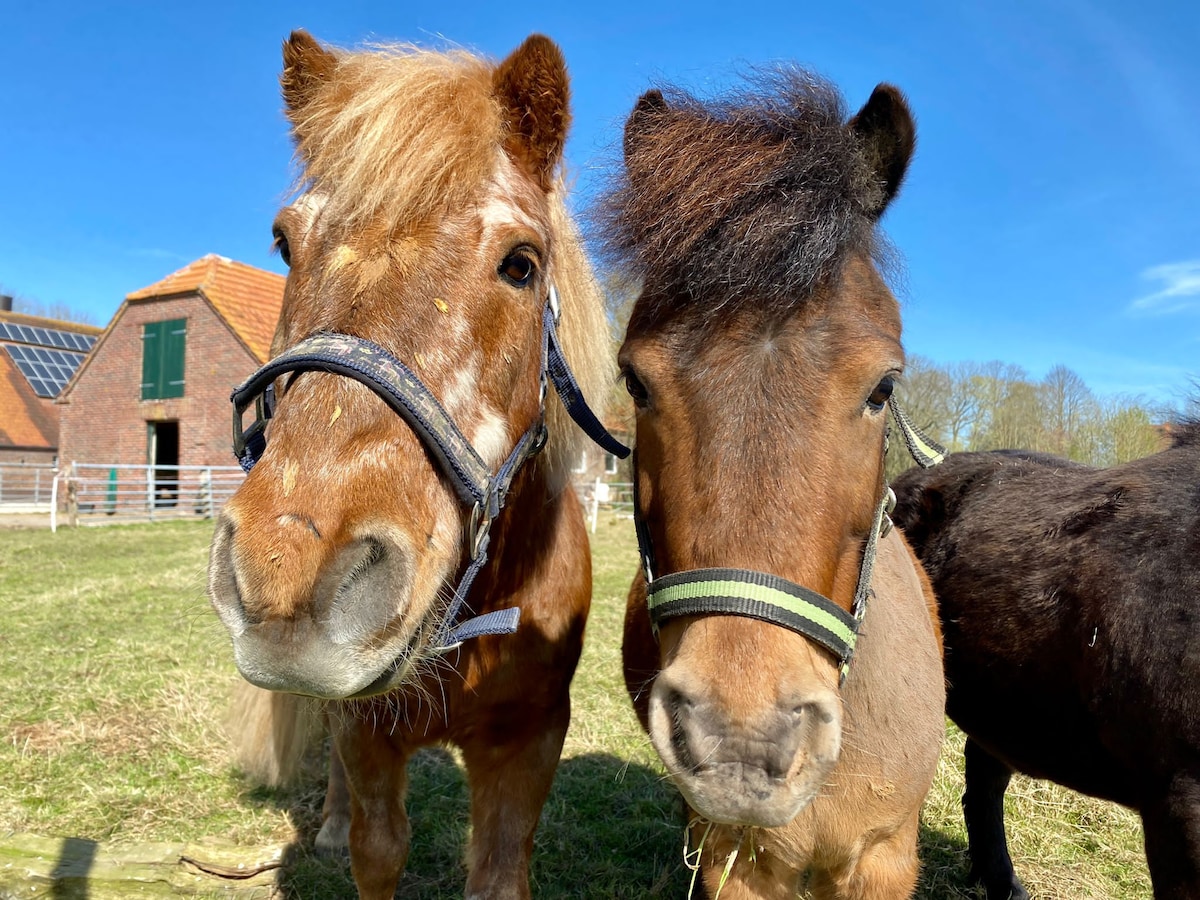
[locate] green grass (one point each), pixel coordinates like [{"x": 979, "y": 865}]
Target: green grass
[{"x": 115, "y": 678}]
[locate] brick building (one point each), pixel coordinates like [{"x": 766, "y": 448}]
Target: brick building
[
  {"x": 37, "y": 357},
  {"x": 155, "y": 388}
]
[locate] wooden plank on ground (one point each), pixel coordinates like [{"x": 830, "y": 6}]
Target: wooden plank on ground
[{"x": 33, "y": 866}]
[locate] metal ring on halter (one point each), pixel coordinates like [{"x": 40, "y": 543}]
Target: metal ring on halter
[
  {"x": 477, "y": 529},
  {"x": 889, "y": 507}
]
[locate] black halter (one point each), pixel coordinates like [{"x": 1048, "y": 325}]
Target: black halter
[
  {"x": 403, "y": 391},
  {"x": 759, "y": 595}
]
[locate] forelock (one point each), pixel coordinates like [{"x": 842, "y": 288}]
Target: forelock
[{"x": 758, "y": 196}]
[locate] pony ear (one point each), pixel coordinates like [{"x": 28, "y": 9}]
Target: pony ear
[
  {"x": 887, "y": 135},
  {"x": 533, "y": 90},
  {"x": 642, "y": 119},
  {"x": 306, "y": 66}
]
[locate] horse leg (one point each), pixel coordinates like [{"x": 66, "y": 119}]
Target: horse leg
[
  {"x": 509, "y": 783},
  {"x": 1172, "y": 833},
  {"x": 379, "y": 833},
  {"x": 334, "y": 835},
  {"x": 983, "y": 809}
]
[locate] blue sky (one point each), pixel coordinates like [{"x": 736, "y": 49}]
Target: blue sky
[{"x": 1051, "y": 216}]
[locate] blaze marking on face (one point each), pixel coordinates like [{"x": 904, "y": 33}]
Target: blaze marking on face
[
  {"x": 462, "y": 389},
  {"x": 500, "y": 209},
  {"x": 490, "y": 438}
]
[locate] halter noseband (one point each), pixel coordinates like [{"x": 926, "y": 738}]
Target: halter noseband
[
  {"x": 759, "y": 595},
  {"x": 404, "y": 392}
]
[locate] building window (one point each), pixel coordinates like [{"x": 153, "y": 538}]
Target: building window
[
  {"x": 610, "y": 464},
  {"x": 581, "y": 466},
  {"x": 162, "y": 359}
]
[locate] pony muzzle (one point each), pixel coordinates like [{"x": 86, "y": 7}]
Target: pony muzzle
[
  {"x": 352, "y": 631},
  {"x": 735, "y": 765}
]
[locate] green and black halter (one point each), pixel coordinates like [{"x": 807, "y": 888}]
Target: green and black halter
[{"x": 759, "y": 595}]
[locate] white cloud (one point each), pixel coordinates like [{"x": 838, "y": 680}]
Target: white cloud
[{"x": 1180, "y": 291}]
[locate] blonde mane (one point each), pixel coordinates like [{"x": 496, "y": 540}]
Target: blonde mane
[
  {"x": 585, "y": 339},
  {"x": 436, "y": 112}
]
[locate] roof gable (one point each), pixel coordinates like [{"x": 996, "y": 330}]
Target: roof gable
[{"x": 247, "y": 298}]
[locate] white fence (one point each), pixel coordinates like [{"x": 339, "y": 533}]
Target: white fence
[
  {"x": 98, "y": 494},
  {"x": 26, "y": 487},
  {"x": 615, "y": 497}
]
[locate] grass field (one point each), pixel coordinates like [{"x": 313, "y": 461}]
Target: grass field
[{"x": 115, "y": 677}]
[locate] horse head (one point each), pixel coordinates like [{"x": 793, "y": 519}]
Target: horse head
[
  {"x": 427, "y": 234},
  {"x": 761, "y": 357}
]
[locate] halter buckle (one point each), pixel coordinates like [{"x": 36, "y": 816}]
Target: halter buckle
[
  {"x": 478, "y": 528},
  {"x": 889, "y": 507}
]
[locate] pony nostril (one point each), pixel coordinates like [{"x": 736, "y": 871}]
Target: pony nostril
[
  {"x": 370, "y": 593},
  {"x": 223, "y": 588},
  {"x": 678, "y": 702}
]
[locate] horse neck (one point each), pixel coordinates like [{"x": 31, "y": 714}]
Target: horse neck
[{"x": 537, "y": 523}]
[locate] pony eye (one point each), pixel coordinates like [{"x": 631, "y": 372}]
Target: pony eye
[
  {"x": 882, "y": 393},
  {"x": 517, "y": 269},
  {"x": 281, "y": 247},
  {"x": 637, "y": 390}
]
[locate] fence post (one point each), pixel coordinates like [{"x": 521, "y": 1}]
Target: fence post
[
  {"x": 150, "y": 492},
  {"x": 73, "y": 498},
  {"x": 37, "y": 486},
  {"x": 208, "y": 491},
  {"x": 54, "y": 505},
  {"x": 595, "y": 516}
]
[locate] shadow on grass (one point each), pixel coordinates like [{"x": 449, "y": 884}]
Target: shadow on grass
[
  {"x": 945, "y": 867},
  {"x": 610, "y": 829}
]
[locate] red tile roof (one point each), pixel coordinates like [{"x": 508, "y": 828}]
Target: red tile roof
[
  {"x": 28, "y": 421},
  {"x": 248, "y": 298}
]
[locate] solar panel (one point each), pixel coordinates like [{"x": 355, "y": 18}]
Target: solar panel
[
  {"x": 46, "y": 371},
  {"x": 46, "y": 337}
]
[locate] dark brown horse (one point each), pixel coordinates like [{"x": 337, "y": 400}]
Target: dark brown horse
[
  {"x": 760, "y": 357},
  {"x": 1070, "y": 602},
  {"x": 429, "y": 234}
]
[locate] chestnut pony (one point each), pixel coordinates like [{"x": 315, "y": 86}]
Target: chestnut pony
[
  {"x": 429, "y": 229},
  {"x": 760, "y": 357}
]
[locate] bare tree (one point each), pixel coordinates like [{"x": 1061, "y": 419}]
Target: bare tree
[
  {"x": 962, "y": 405},
  {"x": 1134, "y": 435},
  {"x": 1002, "y": 393},
  {"x": 60, "y": 311},
  {"x": 1066, "y": 400},
  {"x": 1192, "y": 402}
]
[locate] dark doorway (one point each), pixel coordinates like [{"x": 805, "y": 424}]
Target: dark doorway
[{"x": 162, "y": 452}]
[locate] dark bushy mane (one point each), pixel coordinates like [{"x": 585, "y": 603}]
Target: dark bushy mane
[
  {"x": 757, "y": 196},
  {"x": 1186, "y": 432}
]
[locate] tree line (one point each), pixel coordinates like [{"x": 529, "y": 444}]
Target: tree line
[{"x": 996, "y": 405}]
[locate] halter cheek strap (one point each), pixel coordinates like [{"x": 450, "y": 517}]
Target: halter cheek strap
[
  {"x": 758, "y": 595},
  {"x": 403, "y": 391}
]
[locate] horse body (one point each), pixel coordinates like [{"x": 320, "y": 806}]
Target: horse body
[
  {"x": 1068, "y": 601},
  {"x": 759, "y": 357},
  {"x": 431, "y": 224}
]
